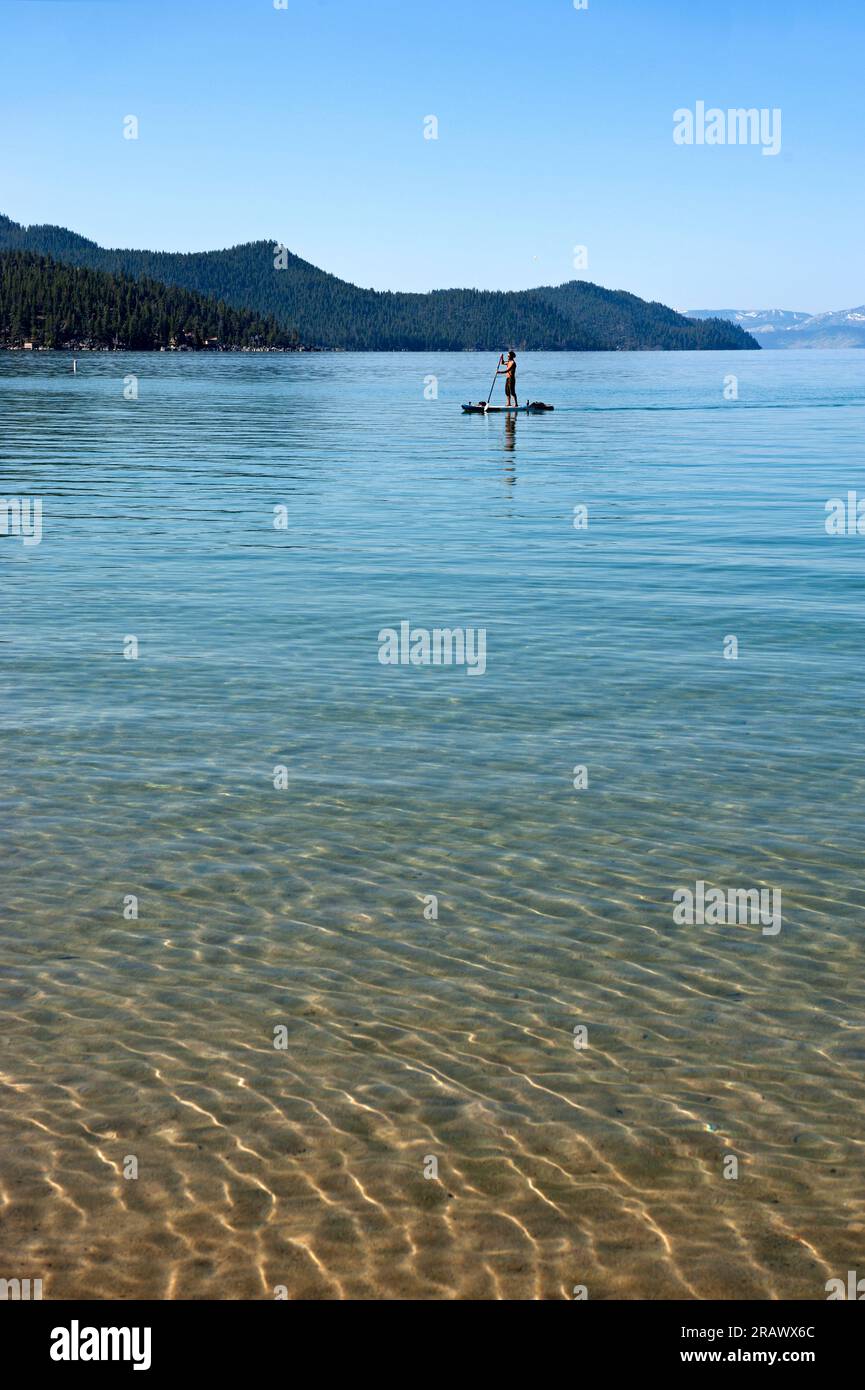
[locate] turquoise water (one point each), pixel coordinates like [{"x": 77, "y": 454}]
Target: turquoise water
[{"x": 410, "y": 1037}]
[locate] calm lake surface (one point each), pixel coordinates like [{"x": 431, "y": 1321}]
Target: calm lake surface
[{"x": 300, "y": 915}]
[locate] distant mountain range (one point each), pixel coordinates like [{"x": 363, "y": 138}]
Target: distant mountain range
[
  {"x": 788, "y": 328},
  {"x": 327, "y": 312}
]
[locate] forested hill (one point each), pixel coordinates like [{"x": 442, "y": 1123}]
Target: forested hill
[
  {"x": 48, "y": 304},
  {"x": 328, "y": 312}
]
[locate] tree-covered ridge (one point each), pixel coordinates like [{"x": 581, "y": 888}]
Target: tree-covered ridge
[
  {"x": 637, "y": 324},
  {"x": 48, "y": 304},
  {"x": 328, "y": 312}
]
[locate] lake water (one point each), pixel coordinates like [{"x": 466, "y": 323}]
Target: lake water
[{"x": 287, "y": 1035}]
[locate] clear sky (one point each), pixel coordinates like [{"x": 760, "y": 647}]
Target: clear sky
[{"x": 306, "y": 125}]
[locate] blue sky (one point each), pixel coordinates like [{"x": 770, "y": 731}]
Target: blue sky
[{"x": 555, "y": 130}]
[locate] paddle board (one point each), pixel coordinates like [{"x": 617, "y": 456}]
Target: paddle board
[{"x": 533, "y": 406}]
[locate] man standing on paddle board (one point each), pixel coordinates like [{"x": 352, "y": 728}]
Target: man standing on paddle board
[{"x": 510, "y": 375}]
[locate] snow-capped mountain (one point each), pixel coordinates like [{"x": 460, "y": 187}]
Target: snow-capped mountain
[
  {"x": 756, "y": 321},
  {"x": 789, "y": 328}
]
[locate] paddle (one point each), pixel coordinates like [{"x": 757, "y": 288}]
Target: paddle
[{"x": 498, "y": 364}]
